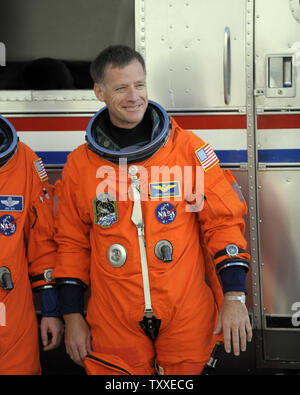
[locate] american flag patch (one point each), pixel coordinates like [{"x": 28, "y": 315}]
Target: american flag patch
[
  {"x": 39, "y": 165},
  {"x": 207, "y": 157}
]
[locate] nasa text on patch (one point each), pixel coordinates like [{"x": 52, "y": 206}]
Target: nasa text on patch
[
  {"x": 11, "y": 203},
  {"x": 165, "y": 213},
  {"x": 8, "y": 225},
  {"x": 164, "y": 189}
]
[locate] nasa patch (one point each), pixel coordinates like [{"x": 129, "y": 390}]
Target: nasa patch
[
  {"x": 165, "y": 213},
  {"x": 8, "y": 225}
]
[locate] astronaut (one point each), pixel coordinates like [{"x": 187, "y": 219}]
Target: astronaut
[
  {"x": 28, "y": 255},
  {"x": 148, "y": 257}
]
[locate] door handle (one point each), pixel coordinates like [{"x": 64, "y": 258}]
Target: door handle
[{"x": 227, "y": 66}]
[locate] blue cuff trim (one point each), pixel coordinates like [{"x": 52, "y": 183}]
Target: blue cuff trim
[
  {"x": 50, "y": 303},
  {"x": 71, "y": 298},
  {"x": 233, "y": 278}
]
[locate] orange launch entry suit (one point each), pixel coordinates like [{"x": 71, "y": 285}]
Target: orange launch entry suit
[
  {"x": 196, "y": 223},
  {"x": 27, "y": 249}
]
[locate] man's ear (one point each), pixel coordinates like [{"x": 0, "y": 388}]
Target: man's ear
[{"x": 99, "y": 91}]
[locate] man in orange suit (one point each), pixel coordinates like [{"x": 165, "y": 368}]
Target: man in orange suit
[
  {"x": 28, "y": 255},
  {"x": 145, "y": 216}
]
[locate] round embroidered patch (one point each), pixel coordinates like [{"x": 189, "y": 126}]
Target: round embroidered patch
[
  {"x": 165, "y": 213},
  {"x": 8, "y": 225}
]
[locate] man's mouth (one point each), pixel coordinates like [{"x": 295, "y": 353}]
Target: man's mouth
[{"x": 133, "y": 108}]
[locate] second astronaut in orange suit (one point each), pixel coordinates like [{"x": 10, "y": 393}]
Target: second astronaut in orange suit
[
  {"x": 146, "y": 243},
  {"x": 27, "y": 257}
]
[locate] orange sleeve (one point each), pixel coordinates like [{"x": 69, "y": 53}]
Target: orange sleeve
[
  {"x": 72, "y": 229},
  {"x": 221, "y": 217},
  {"x": 39, "y": 228},
  {"x": 220, "y": 206},
  {"x": 216, "y": 198}
]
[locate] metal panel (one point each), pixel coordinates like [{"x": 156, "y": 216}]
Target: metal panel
[
  {"x": 48, "y": 101},
  {"x": 280, "y": 247},
  {"x": 277, "y": 34},
  {"x": 184, "y": 44}
]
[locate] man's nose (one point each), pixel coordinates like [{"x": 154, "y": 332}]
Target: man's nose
[{"x": 132, "y": 94}]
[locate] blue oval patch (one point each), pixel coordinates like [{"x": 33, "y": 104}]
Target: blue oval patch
[
  {"x": 8, "y": 225},
  {"x": 165, "y": 213}
]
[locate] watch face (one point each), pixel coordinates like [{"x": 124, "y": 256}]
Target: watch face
[
  {"x": 232, "y": 250},
  {"x": 48, "y": 275}
]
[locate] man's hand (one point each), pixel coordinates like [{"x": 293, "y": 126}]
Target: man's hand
[
  {"x": 77, "y": 337},
  {"x": 235, "y": 323},
  {"x": 54, "y": 327}
]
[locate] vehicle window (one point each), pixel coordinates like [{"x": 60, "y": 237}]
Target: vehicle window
[{"x": 50, "y": 44}]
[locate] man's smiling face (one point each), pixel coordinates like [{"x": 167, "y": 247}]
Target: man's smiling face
[{"x": 124, "y": 92}]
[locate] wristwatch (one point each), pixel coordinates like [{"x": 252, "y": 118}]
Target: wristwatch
[
  {"x": 231, "y": 250},
  {"x": 46, "y": 276},
  {"x": 241, "y": 298}
]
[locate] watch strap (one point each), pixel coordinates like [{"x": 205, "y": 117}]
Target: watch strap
[
  {"x": 241, "y": 298},
  {"x": 224, "y": 253}
]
